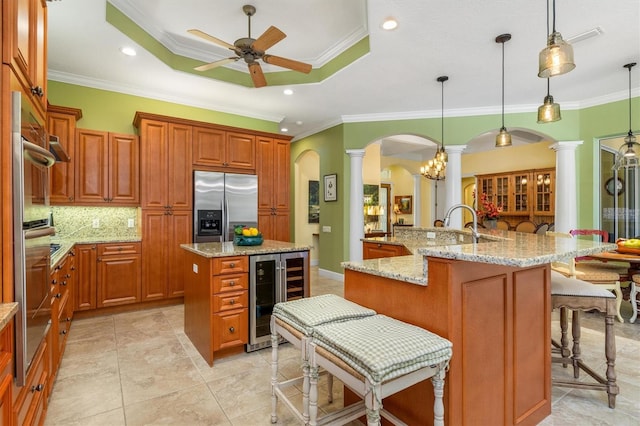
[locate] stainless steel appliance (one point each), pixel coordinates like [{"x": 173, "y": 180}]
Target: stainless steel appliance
[
  {"x": 220, "y": 202},
  {"x": 31, "y": 231},
  {"x": 273, "y": 278}
]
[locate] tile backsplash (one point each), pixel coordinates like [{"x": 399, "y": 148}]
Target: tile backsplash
[{"x": 86, "y": 222}]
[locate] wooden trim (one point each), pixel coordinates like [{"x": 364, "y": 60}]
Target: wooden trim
[
  {"x": 139, "y": 116},
  {"x": 75, "y": 112}
]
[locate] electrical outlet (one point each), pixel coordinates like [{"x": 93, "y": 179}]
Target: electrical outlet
[
  {"x": 131, "y": 223},
  {"x": 95, "y": 223},
  {"x": 326, "y": 229},
  {"x": 195, "y": 268}
]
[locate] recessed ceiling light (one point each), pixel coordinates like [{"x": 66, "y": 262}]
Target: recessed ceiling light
[
  {"x": 284, "y": 129},
  {"x": 390, "y": 24},
  {"x": 129, "y": 51},
  {"x": 288, "y": 91}
]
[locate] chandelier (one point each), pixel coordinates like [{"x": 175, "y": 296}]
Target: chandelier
[
  {"x": 435, "y": 168},
  {"x": 627, "y": 155}
]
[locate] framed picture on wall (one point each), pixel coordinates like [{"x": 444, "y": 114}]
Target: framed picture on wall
[
  {"x": 331, "y": 187},
  {"x": 404, "y": 203},
  {"x": 314, "y": 201}
]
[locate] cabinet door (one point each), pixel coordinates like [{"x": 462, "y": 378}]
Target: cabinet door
[
  {"x": 544, "y": 197},
  {"x": 39, "y": 49},
  {"x": 230, "y": 329},
  {"x": 265, "y": 171},
  {"x": 85, "y": 288},
  {"x": 266, "y": 224},
  {"x": 154, "y": 254},
  {"x": 281, "y": 225},
  {"x": 180, "y": 231},
  {"x": 153, "y": 164},
  {"x": 92, "y": 166},
  {"x": 241, "y": 151},
  {"x": 521, "y": 197},
  {"x": 118, "y": 280},
  {"x": 208, "y": 147},
  {"x": 179, "y": 168},
  {"x": 281, "y": 173},
  {"x": 124, "y": 176},
  {"x": 62, "y": 176}
]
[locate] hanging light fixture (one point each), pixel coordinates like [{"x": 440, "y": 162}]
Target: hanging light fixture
[
  {"x": 435, "y": 169},
  {"x": 503, "y": 138},
  {"x": 627, "y": 156},
  {"x": 557, "y": 57},
  {"x": 549, "y": 111}
]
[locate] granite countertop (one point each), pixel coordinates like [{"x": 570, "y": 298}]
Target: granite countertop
[
  {"x": 7, "y": 311},
  {"x": 66, "y": 244},
  {"x": 229, "y": 249},
  {"x": 496, "y": 247}
]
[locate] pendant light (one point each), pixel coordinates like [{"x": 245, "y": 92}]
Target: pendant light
[
  {"x": 503, "y": 138},
  {"x": 557, "y": 57},
  {"x": 627, "y": 156},
  {"x": 435, "y": 169},
  {"x": 549, "y": 111}
]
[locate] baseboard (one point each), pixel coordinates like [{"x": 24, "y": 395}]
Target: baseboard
[{"x": 330, "y": 274}]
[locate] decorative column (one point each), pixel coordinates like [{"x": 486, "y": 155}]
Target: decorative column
[
  {"x": 453, "y": 183},
  {"x": 566, "y": 214},
  {"x": 356, "y": 215},
  {"x": 417, "y": 199}
]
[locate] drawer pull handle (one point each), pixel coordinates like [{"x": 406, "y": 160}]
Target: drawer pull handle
[
  {"x": 379, "y": 245},
  {"x": 232, "y": 301},
  {"x": 63, "y": 332},
  {"x": 38, "y": 388},
  {"x": 232, "y": 283},
  {"x": 232, "y": 330},
  {"x": 68, "y": 319},
  {"x": 54, "y": 282},
  {"x": 64, "y": 282},
  {"x": 232, "y": 265},
  {"x": 58, "y": 296}
]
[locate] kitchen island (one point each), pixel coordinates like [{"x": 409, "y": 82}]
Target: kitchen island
[
  {"x": 490, "y": 299},
  {"x": 217, "y": 295}
]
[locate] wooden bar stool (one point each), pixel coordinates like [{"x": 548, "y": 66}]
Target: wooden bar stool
[{"x": 577, "y": 296}]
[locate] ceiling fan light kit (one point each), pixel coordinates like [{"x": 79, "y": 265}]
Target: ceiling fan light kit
[
  {"x": 503, "y": 138},
  {"x": 251, "y": 50},
  {"x": 557, "y": 57},
  {"x": 627, "y": 155}
]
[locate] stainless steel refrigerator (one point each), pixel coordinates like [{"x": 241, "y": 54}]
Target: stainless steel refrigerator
[{"x": 220, "y": 202}]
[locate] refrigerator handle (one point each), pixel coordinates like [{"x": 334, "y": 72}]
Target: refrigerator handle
[{"x": 226, "y": 220}]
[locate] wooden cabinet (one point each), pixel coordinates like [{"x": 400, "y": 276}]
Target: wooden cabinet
[
  {"x": 216, "y": 304},
  {"x": 118, "y": 274},
  {"x": 30, "y": 404},
  {"x": 218, "y": 148},
  {"x": 62, "y": 284},
  {"x": 109, "y": 274},
  {"x": 163, "y": 260},
  {"x": 24, "y": 47},
  {"x": 6, "y": 374},
  {"x": 61, "y": 122},
  {"x": 107, "y": 168},
  {"x": 372, "y": 250},
  {"x": 273, "y": 170},
  {"x": 544, "y": 197},
  {"x": 165, "y": 165}
]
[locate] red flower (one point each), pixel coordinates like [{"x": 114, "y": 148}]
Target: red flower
[{"x": 487, "y": 210}]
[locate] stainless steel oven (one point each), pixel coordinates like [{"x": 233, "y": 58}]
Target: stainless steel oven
[{"x": 31, "y": 236}]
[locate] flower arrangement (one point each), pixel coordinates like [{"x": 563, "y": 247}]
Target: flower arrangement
[{"x": 487, "y": 210}]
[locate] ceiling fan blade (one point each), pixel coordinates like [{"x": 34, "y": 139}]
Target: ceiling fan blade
[
  {"x": 270, "y": 37},
  {"x": 287, "y": 63},
  {"x": 257, "y": 75},
  {"x": 216, "y": 64},
  {"x": 211, "y": 39}
]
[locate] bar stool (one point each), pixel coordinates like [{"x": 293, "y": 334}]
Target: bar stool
[{"x": 577, "y": 295}]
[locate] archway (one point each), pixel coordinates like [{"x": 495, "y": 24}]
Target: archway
[{"x": 307, "y": 202}]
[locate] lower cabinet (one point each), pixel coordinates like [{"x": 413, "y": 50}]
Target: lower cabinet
[
  {"x": 6, "y": 374},
  {"x": 30, "y": 404},
  {"x": 62, "y": 284},
  {"x": 216, "y": 304},
  {"x": 108, "y": 275},
  {"x": 372, "y": 250}
]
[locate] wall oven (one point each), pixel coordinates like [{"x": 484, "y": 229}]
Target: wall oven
[{"x": 31, "y": 231}]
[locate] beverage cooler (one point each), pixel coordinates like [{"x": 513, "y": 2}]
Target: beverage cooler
[{"x": 273, "y": 278}]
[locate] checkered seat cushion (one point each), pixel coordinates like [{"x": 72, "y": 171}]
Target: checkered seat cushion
[
  {"x": 307, "y": 313},
  {"x": 382, "y": 348}
]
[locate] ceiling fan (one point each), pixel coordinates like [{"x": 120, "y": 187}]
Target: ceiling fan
[{"x": 251, "y": 50}]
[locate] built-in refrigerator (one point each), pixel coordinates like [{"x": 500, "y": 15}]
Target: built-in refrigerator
[{"x": 221, "y": 201}]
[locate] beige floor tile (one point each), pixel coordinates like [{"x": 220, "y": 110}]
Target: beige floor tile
[
  {"x": 83, "y": 365},
  {"x": 90, "y": 346},
  {"x": 108, "y": 418}
]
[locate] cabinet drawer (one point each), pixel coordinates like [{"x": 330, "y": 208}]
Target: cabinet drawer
[
  {"x": 230, "y": 329},
  {"x": 230, "y": 265},
  {"x": 231, "y": 300},
  {"x": 119, "y": 248},
  {"x": 31, "y": 396},
  {"x": 230, "y": 282}
]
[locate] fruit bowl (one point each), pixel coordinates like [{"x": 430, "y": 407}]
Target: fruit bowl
[
  {"x": 244, "y": 240},
  {"x": 622, "y": 248}
]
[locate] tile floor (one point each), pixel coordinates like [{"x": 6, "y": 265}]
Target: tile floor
[{"x": 140, "y": 369}]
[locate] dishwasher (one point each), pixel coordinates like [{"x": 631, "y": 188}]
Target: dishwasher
[{"x": 273, "y": 278}]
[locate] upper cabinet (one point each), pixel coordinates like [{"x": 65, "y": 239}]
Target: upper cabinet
[
  {"x": 24, "y": 46},
  {"x": 219, "y": 148},
  {"x": 273, "y": 187},
  {"x": 61, "y": 122},
  {"x": 107, "y": 168}
]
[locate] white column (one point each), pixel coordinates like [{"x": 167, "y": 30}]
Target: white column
[
  {"x": 356, "y": 215},
  {"x": 453, "y": 183},
  {"x": 566, "y": 214},
  {"x": 417, "y": 200}
]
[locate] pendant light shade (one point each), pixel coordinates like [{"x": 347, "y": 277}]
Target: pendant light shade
[
  {"x": 549, "y": 111},
  {"x": 557, "y": 57},
  {"x": 627, "y": 156},
  {"x": 503, "y": 138},
  {"x": 435, "y": 169}
]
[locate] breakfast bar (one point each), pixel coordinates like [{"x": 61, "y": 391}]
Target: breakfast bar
[{"x": 491, "y": 299}]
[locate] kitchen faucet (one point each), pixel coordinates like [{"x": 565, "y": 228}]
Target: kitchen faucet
[{"x": 474, "y": 230}]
